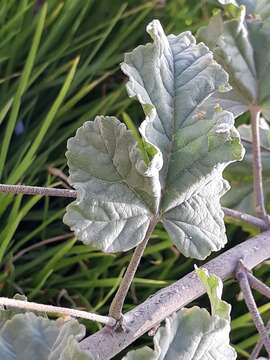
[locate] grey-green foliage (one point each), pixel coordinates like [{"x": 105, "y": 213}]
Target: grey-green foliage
[
  {"x": 194, "y": 334},
  {"x": 119, "y": 193},
  {"x": 241, "y": 45},
  {"x": 28, "y": 336},
  {"x": 241, "y": 194}
]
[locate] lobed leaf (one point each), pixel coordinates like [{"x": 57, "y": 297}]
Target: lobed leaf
[
  {"x": 193, "y": 334},
  {"x": 241, "y": 46},
  {"x": 119, "y": 194},
  {"x": 27, "y": 336}
]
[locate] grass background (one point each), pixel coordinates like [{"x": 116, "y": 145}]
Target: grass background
[{"x": 59, "y": 66}]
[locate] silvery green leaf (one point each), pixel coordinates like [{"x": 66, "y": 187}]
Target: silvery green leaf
[
  {"x": 119, "y": 194},
  {"x": 241, "y": 195},
  {"x": 27, "y": 336},
  {"x": 173, "y": 78},
  {"x": 244, "y": 170},
  {"x": 144, "y": 353},
  {"x": 241, "y": 46},
  {"x": 72, "y": 352},
  {"x": 198, "y": 235},
  {"x": 7, "y": 312},
  {"x": 193, "y": 334}
]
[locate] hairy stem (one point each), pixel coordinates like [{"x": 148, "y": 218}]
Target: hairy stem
[
  {"x": 257, "y": 165},
  {"x": 250, "y": 219},
  {"x": 108, "y": 342},
  {"x": 56, "y": 310},
  {"x": 36, "y": 190},
  {"x": 242, "y": 277},
  {"x": 119, "y": 299}
]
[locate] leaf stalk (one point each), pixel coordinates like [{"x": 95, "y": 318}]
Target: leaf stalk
[
  {"x": 119, "y": 299},
  {"x": 255, "y": 113}
]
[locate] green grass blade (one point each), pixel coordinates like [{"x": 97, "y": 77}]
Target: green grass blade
[
  {"x": 26, "y": 162},
  {"x": 21, "y": 88},
  {"x": 5, "y": 110},
  {"x": 13, "y": 226}
]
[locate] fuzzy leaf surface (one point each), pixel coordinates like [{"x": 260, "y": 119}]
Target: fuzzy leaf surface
[
  {"x": 172, "y": 78},
  {"x": 194, "y": 334},
  {"x": 27, "y": 336},
  {"x": 241, "y": 196},
  {"x": 241, "y": 46},
  {"x": 119, "y": 194}
]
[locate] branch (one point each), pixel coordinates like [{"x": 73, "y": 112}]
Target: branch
[
  {"x": 43, "y": 191},
  {"x": 257, "y": 165},
  {"x": 36, "y": 190},
  {"x": 258, "y": 285},
  {"x": 257, "y": 349},
  {"x": 108, "y": 342},
  {"x": 242, "y": 277},
  {"x": 26, "y": 305},
  {"x": 250, "y": 219},
  {"x": 119, "y": 299}
]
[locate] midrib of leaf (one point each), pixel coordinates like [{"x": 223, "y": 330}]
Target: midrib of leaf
[
  {"x": 173, "y": 131},
  {"x": 172, "y": 140},
  {"x": 254, "y": 75}
]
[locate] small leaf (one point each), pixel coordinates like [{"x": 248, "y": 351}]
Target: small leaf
[
  {"x": 259, "y": 8},
  {"x": 119, "y": 194},
  {"x": 27, "y": 336},
  {"x": 214, "y": 286}
]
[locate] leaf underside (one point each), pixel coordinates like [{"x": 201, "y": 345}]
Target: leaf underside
[
  {"x": 27, "y": 336},
  {"x": 119, "y": 194}
]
